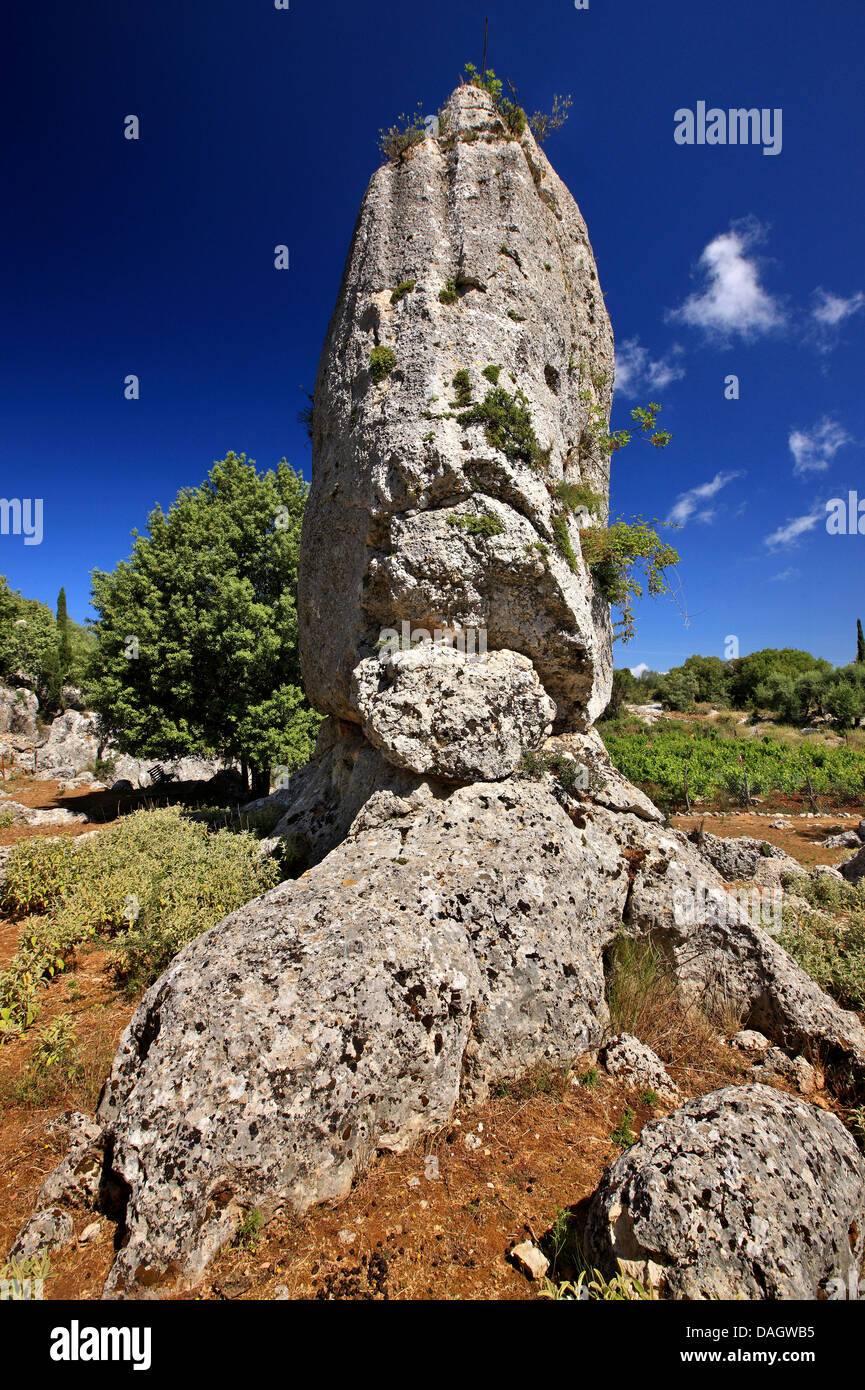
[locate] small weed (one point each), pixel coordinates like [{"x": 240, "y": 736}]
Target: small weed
[
  {"x": 403, "y": 288},
  {"x": 449, "y": 294},
  {"x": 623, "y": 1135},
  {"x": 485, "y": 525},
  {"x": 249, "y": 1230}
]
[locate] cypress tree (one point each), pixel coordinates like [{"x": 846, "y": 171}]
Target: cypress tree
[{"x": 64, "y": 649}]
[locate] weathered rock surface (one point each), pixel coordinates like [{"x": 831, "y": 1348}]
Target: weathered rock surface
[
  {"x": 847, "y": 839},
  {"x": 436, "y": 710},
  {"x": 342, "y": 1012},
  {"x": 45, "y": 1230},
  {"x": 744, "y": 1193},
  {"x": 625, "y": 1057},
  {"x": 740, "y": 857},
  {"x": 399, "y": 480},
  {"x": 854, "y": 869},
  {"x": 18, "y": 711},
  {"x": 796, "y": 1071}
]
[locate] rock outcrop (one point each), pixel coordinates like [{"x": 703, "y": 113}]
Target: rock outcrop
[
  {"x": 454, "y": 938},
  {"x": 744, "y": 1193},
  {"x": 18, "y": 711}
]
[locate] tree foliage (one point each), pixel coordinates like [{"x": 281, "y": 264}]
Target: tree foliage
[{"x": 197, "y": 630}]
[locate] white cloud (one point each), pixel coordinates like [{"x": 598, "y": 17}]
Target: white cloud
[
  {"x": 687, "y": 504},
  {"x": 831, "y": 309},
  {"x": 794, "y": 528},
  {"x": 813, "y": 450},
  {"x": 637, "y": 371},
  {"x": 732, "y": 299},
  {"x": 784, "y": 575},
  {"x": 639, "y": 669}
]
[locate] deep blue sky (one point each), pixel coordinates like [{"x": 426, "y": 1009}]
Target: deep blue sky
[{"x": 259, "y": 127}]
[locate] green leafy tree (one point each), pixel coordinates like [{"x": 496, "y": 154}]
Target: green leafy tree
[
  {"x": 197, "y": 630},
  {"x": 28, "y": 644},
  {"x": 711, "y": 676},
  {"x": 748, "y": 672},
  {"x": 845, "y": 703},
  {"x": 679, "y": 689},
  {"x": 860, "y": 641}
]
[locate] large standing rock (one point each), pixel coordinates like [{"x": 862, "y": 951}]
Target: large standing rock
[
  {"x": 343, "y": 1012},
  {"x": 402, "y": 486},
  {"x": 73, "y": 744},
  {"x": 744, "y": 1193}
]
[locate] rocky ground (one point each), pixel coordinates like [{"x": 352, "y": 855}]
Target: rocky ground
[{"x": 436, "y": 1222}]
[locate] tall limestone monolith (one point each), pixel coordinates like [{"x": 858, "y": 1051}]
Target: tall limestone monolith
[{"x": 466, "y": 369}]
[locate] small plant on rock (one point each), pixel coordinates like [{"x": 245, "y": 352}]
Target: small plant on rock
[
  {"x": 403, "y": 288},
  {"x": 485, "y": 525},
  {"x": 462, "y": 387},
  {"x": 382, "y": 361},
  {"x": 399, "y": 139},
  {"x": 507, "y": 425},
  {"x": 449, "y": 294}
]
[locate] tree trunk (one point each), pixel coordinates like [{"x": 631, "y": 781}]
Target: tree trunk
[{"x": 260, "y": 781}]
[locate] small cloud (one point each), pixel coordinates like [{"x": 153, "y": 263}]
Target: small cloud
[
  {"x": 828, "y": 312},
  {"x": 732, "y": 299},
  {"x": 831, "y": 309},
  {"x": 687, "y": 505},
  {"x": 639, "y": 669},
  {"x": 637, "y": 371},
  {"x": 788, "y": 573},
  {"x": 813, "y": 450},
  {"x": 795, "y": 528}
]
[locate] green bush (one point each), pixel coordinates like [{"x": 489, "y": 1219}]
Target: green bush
[
  {"x": 403, "y": 288},
  {"x": 449, "y": 294},
  {"x": 151, "y": 882},
  {"x": 408, "y": 131},
  {"x": 53, "y": 1065},
  {"x": 38, "y": 873},
  {"x": 463, "y": 387},
  {"x": 613, "y": 553},
  {"x": 577, "y": 497},
  {"x": 559, "y": 525},
  {"x": 382, "y": 361},
  {"x": 831, "y": 949},
  {"x": 507, "y": 425}
]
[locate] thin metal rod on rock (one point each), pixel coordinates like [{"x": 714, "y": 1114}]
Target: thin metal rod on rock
[{"x": 484, "y": 63}]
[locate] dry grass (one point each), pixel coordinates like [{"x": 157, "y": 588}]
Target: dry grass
[{"x": 644, "y": 1000}]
